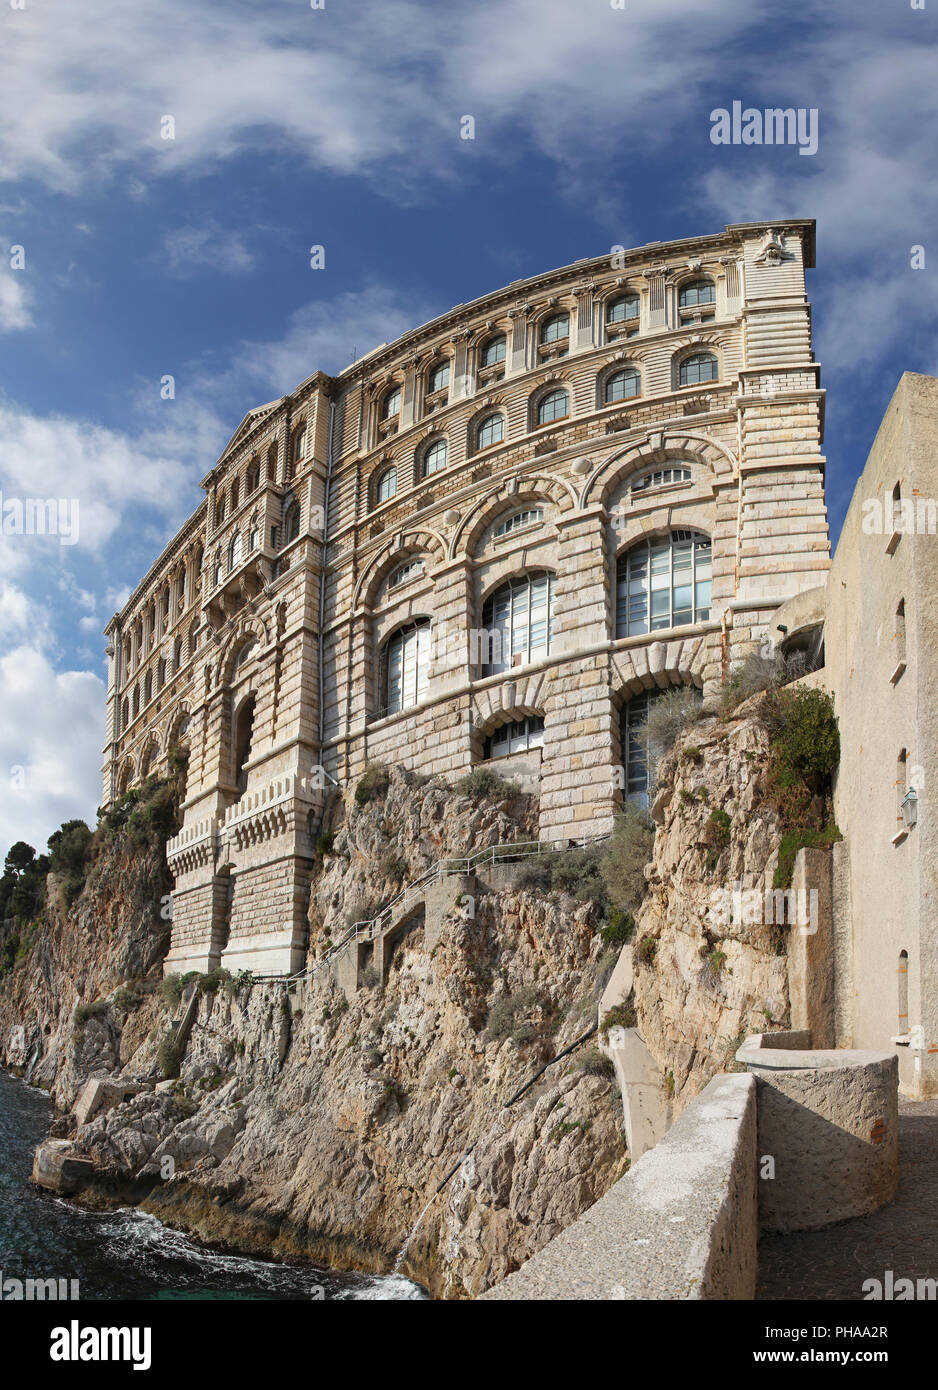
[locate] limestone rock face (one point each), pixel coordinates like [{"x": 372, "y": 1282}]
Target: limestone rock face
[{"x": 706, "y": 980}]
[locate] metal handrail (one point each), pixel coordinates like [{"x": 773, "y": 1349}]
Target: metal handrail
[{"x": 444, "y": 868}]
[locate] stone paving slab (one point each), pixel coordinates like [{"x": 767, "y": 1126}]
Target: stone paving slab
[{"x": 902, "y": 1236}]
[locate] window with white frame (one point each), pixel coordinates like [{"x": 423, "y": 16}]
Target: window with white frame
[
  {"x": 663, "y": 582},
  {"x": 387, "y": 485},
  {"x": 407, "y": 666},
  {"x": 517, "y": 622},
  {"x": 405, "y": 573},
  {"x": 660, "y": 477},
  {"x": 491, "y": 430},
  {"x": 519, "y": 736},
  {"x": 434, "y": 457},
  {"x": 528, "y": 517}
]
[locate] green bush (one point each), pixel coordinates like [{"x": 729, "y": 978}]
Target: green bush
[
  {"x": 325, "y": 842},
  {"x": 716, "y": 836},
  {"x": 167, "y": 1057},
  {"x": 393, "y": 866},
  {"x": 805, "y": 736},
  {"x": 503, "y": 1018},
  {"x": 619, "y": 930},
  {"x": 668, "y": 716},
  {"x": 594, "y": 1063},
  {"x": 213, "y": 981},
  {"x": 624, "y": 857},
  {"x": 93, "y": 1010},
  {"x": 482, "y": 782},
  {"x": 620, "y": 1015},
  {"x": 129, "y": 996},
  {"x": 802, "y": 837},
  {"x": 171, "y": 990},
  {"x": 373, "y": 784},
  {"x": 70, "y": 857},
  {"x": 645, "y": 950}
]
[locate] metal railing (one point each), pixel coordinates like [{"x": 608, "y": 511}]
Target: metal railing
[{"x": 415, "y": 891}]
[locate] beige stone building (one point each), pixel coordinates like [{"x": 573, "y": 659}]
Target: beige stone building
[
  {"x": 879, "y": 625},
  {"x": 490, "y": 542}
]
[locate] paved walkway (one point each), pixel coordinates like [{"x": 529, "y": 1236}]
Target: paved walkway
[{"x": 903, "y": 1236}]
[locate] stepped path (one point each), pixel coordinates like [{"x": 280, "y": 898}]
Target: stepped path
[{"x": 902, "y": 1237}]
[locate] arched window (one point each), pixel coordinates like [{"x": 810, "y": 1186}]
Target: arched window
[
  {"x": 235, "y": 493},
  {"x": 125, "y": 713},
  {"x": 391, "y": 405},
  {"x": 519, "y": 736},
  {"x": 622, "y": 385},
  {"x": 529, "y": 516},
  {"x": 438, "y": 379},
  {"x": 697, "y": 292},
  {"x": 254, "y": 537},
  {"x": 517, "y": 622},
  {"x": 147, "y": 688},
  {"x": 146, "y": 761},
  {"x": 161, "y": 673},
  {"x": 299, "y": 444},
  {"x": 387, "y": 485},
  {"x": 177, "y": 654},
  {"x": 235, "y": 550},
  {"x": 219, "y": 508},
  {"x": 621, "y": 309},
  {"x": 242, "y": 740},
  {"x": 434, "y": 458},
  {"x": 219, "y": 573},
  {"x": 702, "y": 366},
  {"x": 407, "y": 666},
  {"x": 123, "y": 785},
  {"x": 252, "y": 477},
  {"x": 493, "y": 351},
  {"x": 291, "y": 523},
  {"x": 272, "y": 455},
  {"x": 902, "y": 975},
  {"x": 490, "y": 431},
  {"x": 411, "y": 569},
  {"x": 245, "y": 653},
  {"x": 555, "y": 328},
  {"x": 663, "y": 582},
  {"x": 660, "y": 477},
  {"x": 554, "y": 406}
]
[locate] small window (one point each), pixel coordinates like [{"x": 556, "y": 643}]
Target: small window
[
  {"x": 493, "y": 351},
  {"x": 392, "y": 403},
  {"x": 554, "y": 406},
  {"x": 661, "y": 477},
  {"x": 435, "y": 457},
  {"x": 218, "y": 575},
  {"x": 235, "y": 494},
  {"x": 253, "y": 538},
  {"x": 698, "y": 292},
  {"x": 490, "y": 431},
  {"x": 517, "y": 737},
  {"x": 900, "y": 642},
  {"x": 219, "y": 509},
  {"x": 405, "y": 573},
  {"x": 252, "y": 478},
  {"x": 555, "y": 328},
  {"x": 623, "y": 385},
  {"x": 902, "y": 976},
  {"x": 622, "y": 309},
  {"x": 438, "y": 379},
  {"x": 387, "y": 485},
  {"x": 701, "y": 367},
  {"x": 291, "y": 523},
  {"x": 529, "y": 517}
]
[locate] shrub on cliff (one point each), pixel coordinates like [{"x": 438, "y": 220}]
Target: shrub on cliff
[
  {"x": 372, "y": 784},
  {"x": 482, "y": 782},
  {"x": 70, "y": 858},
  {"x": 623, "y": 860},
  {"x": 668, "y": 716},
  {"x": 804, "y": 742}
]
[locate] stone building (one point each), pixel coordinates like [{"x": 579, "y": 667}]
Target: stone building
[
  {"x": 489, "y": 542},
  {"x": 877, "y": 620}
]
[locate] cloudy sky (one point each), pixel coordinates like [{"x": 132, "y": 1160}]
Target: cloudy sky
[{"x": 340, "y": 126}]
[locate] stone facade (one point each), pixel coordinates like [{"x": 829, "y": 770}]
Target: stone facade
[{"x": 333, "y": 601}]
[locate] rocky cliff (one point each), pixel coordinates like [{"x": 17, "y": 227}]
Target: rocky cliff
[{"x": 305, "y": 1121}]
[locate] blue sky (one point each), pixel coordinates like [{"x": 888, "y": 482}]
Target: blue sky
[{"x": 341, "y": 127}]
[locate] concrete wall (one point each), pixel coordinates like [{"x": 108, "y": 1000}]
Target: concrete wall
[
  {"x": 682, "y": 1223},
  {"x": 888, "y": 879}
]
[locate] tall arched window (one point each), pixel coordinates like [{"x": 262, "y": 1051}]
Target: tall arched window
[
  {"x": 252, "y": 477},
  {"x": 702, "y": 366},
  {"x": 291, "y": 523},
  {"x": 235, "y": 493},
  {"x": 407, "y": 666},
  {"x": 697, "y": 292},
  {"x": 490, "y": 431},
  {"x": 554, "y": 406},
  {"x": 622, "y": 385},
  {"x": 493, "y": 351},
  {"x": 391, "y": 404},
  {"x": 387, "y": 485},
  {"x": 555, "y": 328},
  {"x": 517, "y": 622},
  {"x": 235, "y": 550},
  {"x": 272, "y": 454},
  {"x": 243, "y": 735},
  {"x": 125, "y": 713},
  {"x": 147, "y": 688},
  {"x": 663, "y": 582},
  {"x": 219, "y": 508},
  {"x": 438, "y": 379},
  {"x": 621, "y": 309},
  {"x": 136, "y": 700},
  {"x": 434, "y": 458}
]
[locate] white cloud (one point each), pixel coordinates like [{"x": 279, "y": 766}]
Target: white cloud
[
  {"x": 189, "y": 249},
  {"x": 46, "y": 778},
  {"x": 15, "y": 298}
]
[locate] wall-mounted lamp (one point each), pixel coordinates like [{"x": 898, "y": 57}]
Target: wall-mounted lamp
[
  {"x": 781, "y": 628},
  {"x": 910, "y": 807}
]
